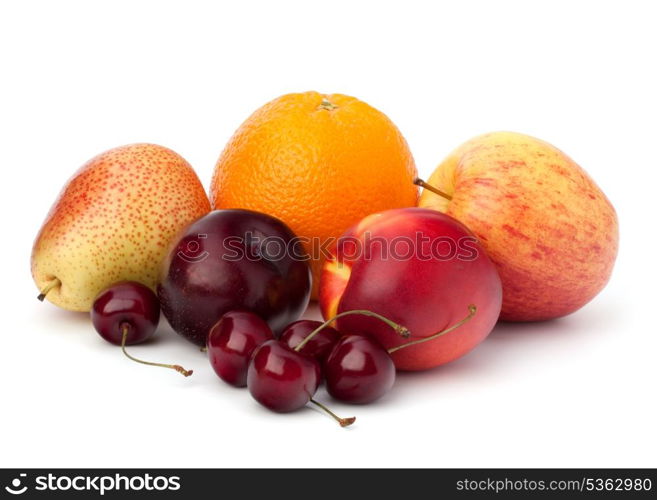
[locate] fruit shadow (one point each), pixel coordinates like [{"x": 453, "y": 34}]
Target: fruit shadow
[
  {"x": 288, "y": 419},
  {"x": 67, "y": 321},
  {"x": 78, "y": 324},
  {"x": 509, "y": 348},
  {"x": 165, "y": 336}
]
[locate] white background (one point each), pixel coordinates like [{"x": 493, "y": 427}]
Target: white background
[{"x": 77, "y": 78}]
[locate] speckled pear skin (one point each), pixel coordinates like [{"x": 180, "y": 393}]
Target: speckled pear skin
[{"x": 114, "y": 221}]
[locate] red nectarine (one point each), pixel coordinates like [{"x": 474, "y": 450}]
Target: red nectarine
[{"x": 421, "y": 269}]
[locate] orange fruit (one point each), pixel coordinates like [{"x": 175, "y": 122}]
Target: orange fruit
[{"x": 318, "y": 162}]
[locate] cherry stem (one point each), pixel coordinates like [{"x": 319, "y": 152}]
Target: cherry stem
[
  {"x": 401, "y": 330},
  {"x": 125, "y": 328},
  {"x": 55, "y": 282},
  {"x": 344, "y": 422},
  {"x": 473, "y": 310},
  {"x": 419, "y": 182}
]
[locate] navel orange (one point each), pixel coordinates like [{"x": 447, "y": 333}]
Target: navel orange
[{"x": 318, "y": 162}]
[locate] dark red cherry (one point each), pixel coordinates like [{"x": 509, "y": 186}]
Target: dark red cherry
[
  {"x": 318, "y": 346},
  {"x": 128, "y": 313},
  {"x": 358, "y": 370},
  {"x": 231, "y": 342},
  {"x": 281, "y": 379},
  {"x": 126, "y": 306}
]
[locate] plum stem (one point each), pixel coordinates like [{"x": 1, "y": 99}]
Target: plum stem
[
  {"x": 401, "y": 330},
  {"x": 125, "y": 329},
  {"x": 54, "y": 283},
  {"x": 472, "y": 311},
  {"x": 419, "y": 182},
  {"x": 344, "y": 422}
]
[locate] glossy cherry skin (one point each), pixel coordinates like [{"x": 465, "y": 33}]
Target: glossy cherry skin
[
  {"x": 231, "y": 342},
  {"x": 126, "y": 303},
  {"x": 317, "y": 347},
  {"x": 358, "y": 370},
  {"x": 232, "y": 260},
  {"x": 281, "y": 379}
]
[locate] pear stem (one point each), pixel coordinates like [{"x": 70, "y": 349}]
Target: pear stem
[
  {"x": 344, "y": 422},
  {"x": 401, "y": 330},
  {"x": 125, "y": 328},
  {"x": 54, "y": 283},
  {"x": 419, "y": 182},
  {"x": 472, "y": 311}
]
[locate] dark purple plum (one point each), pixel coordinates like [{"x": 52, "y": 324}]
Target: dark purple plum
[{"x": 233, "y": 260}]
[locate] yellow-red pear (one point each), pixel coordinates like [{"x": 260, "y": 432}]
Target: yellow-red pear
[{"x": 113, "y": 221}]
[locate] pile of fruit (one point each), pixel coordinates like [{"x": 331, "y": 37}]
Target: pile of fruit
[{"x": 316, "y": 197}]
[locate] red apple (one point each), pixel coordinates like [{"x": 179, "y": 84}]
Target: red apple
[
  {"x": 420, "y": 268},
  {"x": 544, "y": 222}
]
